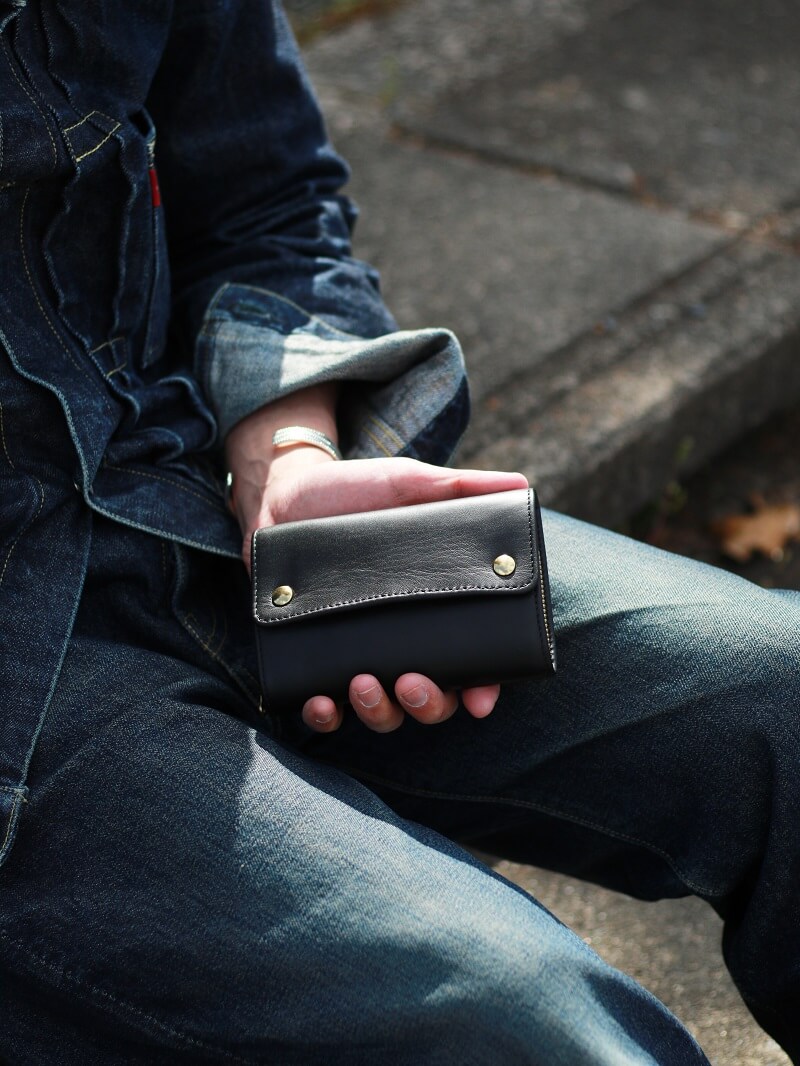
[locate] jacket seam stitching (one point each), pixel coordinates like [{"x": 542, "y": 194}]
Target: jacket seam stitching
[
  {"x": 173, "y": 537},
  {"x": 378, "y": 443},
  {"x": 33, "y": 100},
  {"x": 24, "y": 529},
  {"x": 74, "y": 126},
  {"x": 39, "y": 303},
  {"x": 155, "y": 477},
  {"x": 384, "y": 427},
  {"x": 97, "y": 147}
]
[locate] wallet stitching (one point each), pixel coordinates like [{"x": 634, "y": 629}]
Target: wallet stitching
[
  {"x": 395, "y": 595},
  {"x": 545, "y": 640},
  {"x": 389, "y": 596}
]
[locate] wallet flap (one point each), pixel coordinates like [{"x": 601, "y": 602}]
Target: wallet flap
[{"x": 477, "y": 545}]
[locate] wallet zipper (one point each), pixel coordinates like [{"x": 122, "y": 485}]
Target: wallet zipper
[{"x": 544, "y": 605}]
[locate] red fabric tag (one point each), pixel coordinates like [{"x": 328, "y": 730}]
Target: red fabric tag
[{"x": 155, "y": 192}]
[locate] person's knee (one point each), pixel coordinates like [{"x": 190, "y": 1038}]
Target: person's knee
[{"x": 532, "y": 993}]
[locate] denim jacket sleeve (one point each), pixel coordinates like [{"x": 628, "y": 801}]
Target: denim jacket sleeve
[{"x": 267, "y": 293}]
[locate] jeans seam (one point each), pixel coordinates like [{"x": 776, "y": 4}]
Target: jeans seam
[
  {"x": 19, "y": 798},
  {"x": 94, "y": 992},
  {"x": 511, "y": 801},
  {"x": 24, "y": 529},
  {"x": 243, "y": 678},
  {"x": 235, "y": 672},
  {"x": 210, "y": 642}
]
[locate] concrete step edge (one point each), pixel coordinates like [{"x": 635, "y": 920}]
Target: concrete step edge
[{"x": 614, "y": 442}]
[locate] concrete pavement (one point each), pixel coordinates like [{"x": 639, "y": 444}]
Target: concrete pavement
[{"x": 601, "y": 198}]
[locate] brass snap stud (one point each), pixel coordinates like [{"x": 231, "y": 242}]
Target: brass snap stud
[
  {"x": 282, "y": 595},
  {"x": 504, "y": 566}
]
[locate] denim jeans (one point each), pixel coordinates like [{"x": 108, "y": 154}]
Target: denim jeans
[{"x": 192, "y": 882}]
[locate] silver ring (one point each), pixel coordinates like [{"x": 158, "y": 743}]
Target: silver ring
[{"x": 281, "y": 438}]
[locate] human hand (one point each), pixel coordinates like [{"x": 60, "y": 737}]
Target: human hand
[
  {"x": 328, "y": 488},
  {"x": 302, "y": 482}
]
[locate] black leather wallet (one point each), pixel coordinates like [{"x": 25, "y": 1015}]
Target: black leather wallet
[{"x": 457, "y": 591}]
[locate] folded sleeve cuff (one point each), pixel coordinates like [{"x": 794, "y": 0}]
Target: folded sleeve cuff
[{"x": 406, "y": 390}]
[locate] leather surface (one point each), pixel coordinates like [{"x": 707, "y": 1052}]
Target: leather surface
[
  {"x": 457, "y": 642},
  {"x": 351, "y": 561},
  {"x": 470, "y": 631}
]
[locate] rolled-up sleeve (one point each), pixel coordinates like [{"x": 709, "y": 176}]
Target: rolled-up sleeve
[{"x": 268, "y": 297}]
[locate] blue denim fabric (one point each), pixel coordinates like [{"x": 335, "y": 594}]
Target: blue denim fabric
[
  {"x": 190, "y": 881},
  {"x": 400, "y": 385},
  {"x": 93, "y": 99},
  {"x": 143, "y": 311},
  {"x": 195, "y": 883}
]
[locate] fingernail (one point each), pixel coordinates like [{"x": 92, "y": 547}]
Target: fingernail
[
  {"x": 323, "y": 717},
  {"x": 370, "y": 697},
  {"x": 416, "y": 697}
]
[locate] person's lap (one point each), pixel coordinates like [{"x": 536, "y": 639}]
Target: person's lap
[
  {"x": 193, "y": 878},
  {"x": 662, "y": 760}
]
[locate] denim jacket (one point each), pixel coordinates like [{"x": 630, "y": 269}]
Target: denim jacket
[{"x": 174, "y": 253}]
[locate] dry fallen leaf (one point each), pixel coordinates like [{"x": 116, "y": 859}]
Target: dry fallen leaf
[{"x": 767, "y": 530}]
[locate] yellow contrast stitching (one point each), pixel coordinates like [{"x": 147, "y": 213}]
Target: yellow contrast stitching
[
  {"x": 97, "y": 147},
  {"x": 378, "y": 443},
  {"x": 199, "y": 638},
  {"x": 387, "y": 429},
  {"x": 218, "y": 658},
  {"x": 213, "y": 631},
  {"x": 211, "y": 635},
  {"x": 157, "y": 477},
  {"x": 86, "y": 118},
  {"x": 105, "y": 344}
]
